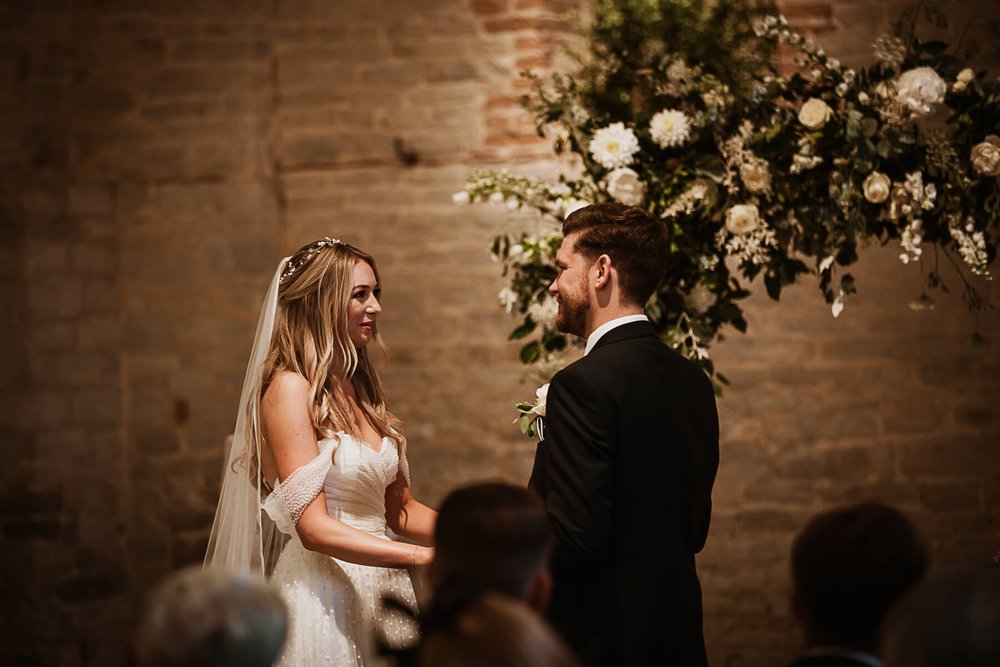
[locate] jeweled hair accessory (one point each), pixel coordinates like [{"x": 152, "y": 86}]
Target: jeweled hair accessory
[{"x": 305, "y": 257}]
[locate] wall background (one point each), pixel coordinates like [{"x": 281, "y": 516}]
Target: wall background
[{"x": 158, "y": 157}]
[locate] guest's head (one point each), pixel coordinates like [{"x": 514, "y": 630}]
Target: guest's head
[
  {"x": 493, "y": 631},
  {"x": 848, "y": 566},
  {"x": 951, "y": 618},
  {"x": 492, "y": 537},
  {"x": 613, "y": 256},
  {"x": 212, "y": 618}
]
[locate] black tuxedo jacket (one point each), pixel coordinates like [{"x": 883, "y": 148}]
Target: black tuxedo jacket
[{"x": 625, "y": 471}]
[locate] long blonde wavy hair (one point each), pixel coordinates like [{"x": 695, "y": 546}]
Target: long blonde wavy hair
[{"x": 311, "y": 338}]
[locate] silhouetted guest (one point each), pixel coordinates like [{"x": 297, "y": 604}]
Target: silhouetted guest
[
  {"x": 199, "y": 617},
  {"x": 848, "y": 566},
  {"x": 951, "y": 618},
  {"x": 493, "y": 630},
  {"x": 491, "y": 537}
]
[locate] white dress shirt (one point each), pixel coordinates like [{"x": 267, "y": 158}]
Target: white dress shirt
[{"x": 599, "y": 332}]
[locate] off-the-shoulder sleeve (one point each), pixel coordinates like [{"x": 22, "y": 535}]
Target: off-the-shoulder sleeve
[{"x": 291, "y": 497}]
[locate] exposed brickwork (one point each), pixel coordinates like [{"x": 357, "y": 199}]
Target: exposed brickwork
[{"x": 157, "y": 159}]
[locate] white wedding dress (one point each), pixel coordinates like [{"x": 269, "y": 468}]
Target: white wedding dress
[{"x": 335, "y": 611}]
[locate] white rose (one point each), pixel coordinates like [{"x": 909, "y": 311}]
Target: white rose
[
  {"x": 742, "y": 218},
  {"x": 814, "y": 113},
  {"x": 755, "y": 176},
  {"x": 863, "y": 97},
  {"x": 541, "y": 396},
  {"x": 966, "y": 75},
  {"x": 624, "y": 185},
  {"x": 877, "y": 187},
  {"x": 986, "y": 156},
  {"x": 919, "y": 88}
]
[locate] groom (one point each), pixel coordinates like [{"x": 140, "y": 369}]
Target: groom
[{"x": 629, "y": 454}]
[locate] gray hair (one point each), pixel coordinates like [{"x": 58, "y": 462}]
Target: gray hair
[{"x": 211, "y": 617}]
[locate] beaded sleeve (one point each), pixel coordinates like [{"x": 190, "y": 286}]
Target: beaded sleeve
[{"x": 291, "y": 497}]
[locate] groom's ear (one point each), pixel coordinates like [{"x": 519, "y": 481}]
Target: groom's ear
[{"x": 601, "y": 270}]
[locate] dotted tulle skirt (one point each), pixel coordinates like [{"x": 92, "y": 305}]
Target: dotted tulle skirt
[{"x": 335, "y": 610}]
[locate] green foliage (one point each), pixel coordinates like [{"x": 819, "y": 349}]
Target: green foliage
[{"x": 676, "y": 105}]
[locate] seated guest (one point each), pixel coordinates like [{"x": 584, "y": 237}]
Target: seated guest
[
  {"x": 492, "y": 631},
  {"x": 202, "y": 617},
  {"x": 951, "y": 618},
  {"x": 848, "y": 566},
  {"x": 491, "y": 537}
]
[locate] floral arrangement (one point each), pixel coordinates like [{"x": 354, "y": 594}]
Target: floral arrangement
[{"x": 679, "y": 107}]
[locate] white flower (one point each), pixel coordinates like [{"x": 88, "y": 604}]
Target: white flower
[
  {"x": 814, "y": 113},
  {"x": 669, "y": 127},
  {"x": 863, "y": 97},
  {"x": 571, "y": 205},
  {"x": 613, "y": 146},
  {"x": 700, "y": 299},
  {"x": 920, "y": 88},
  {"x": 833, "y": 63},
  {"x": 966, "y": 75},
  {"x": 496, "y": 198},
  {"x": 986, "y": 156},
  {"x": 755, "y": 176},
  {"x": 826, "y": 263},
  {"x": 841, "y": 89},
  {"x": 512, "y": 204},
  {"x": 910, "y": 241},
  {"x": 544, "y": 312},
  {"x": 958, "y": 86},
  {"x": 623, "y": 185},
  {"x": 508, "y": 299},
  {"x": 838, "y": 304},
  {"x": 742, "y": 218},
  {"x": 460, "y": 198},
  {"x": 541, "y": 396},
  {"x": 516, "y": 253},
  {"x": 877, "y": 187}
]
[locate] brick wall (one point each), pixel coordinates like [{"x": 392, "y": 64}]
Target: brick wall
[{"x": 158, "y": 158}]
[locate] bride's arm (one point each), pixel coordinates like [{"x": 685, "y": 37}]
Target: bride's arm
[
  {"x": 292, "y": 441},
  {"x": 406, "y": 516}
]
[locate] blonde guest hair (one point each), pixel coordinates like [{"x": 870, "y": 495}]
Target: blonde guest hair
[{"x": 311, "y": 339}]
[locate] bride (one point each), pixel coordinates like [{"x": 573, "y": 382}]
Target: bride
[{"x": 317, "y": 470}]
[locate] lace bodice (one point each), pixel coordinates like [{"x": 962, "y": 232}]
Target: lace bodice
[{"x": 352, "y": 475}]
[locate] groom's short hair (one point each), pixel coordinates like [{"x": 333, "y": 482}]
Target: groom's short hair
[
  {"x": 490, "y": 536},
  {"x": 637, "y": 243}
]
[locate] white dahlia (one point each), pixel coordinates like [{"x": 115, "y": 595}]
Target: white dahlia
[
  {"x": 613, "y": 146},
  {"x": 670, "y": 127}
]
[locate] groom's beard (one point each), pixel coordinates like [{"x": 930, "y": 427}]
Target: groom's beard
[{"x": 572, "y": 316}]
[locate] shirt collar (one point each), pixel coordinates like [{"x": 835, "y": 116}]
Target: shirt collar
[{"x": 599, "y": 332}]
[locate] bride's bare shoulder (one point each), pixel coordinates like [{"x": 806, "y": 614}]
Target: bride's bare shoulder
[{"x": 286, "y": 389}]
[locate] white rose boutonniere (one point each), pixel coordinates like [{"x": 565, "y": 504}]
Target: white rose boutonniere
[
  {"x": 920, "y": 88},
  {"x": 877, "y": 187},
  {"x": 815, "y": 113},
  {"x": 742, "y": 218},
  {"x": 986, "y": 156},
  {"x": 624, "y": 185},
  {"x": 531, "y": 413}
]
